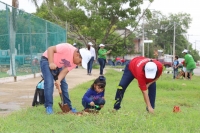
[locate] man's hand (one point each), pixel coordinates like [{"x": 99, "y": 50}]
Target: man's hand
[
  {"x": 52, "y": 66},
  {"x": 57, "y": 83},
  {"x": 92, "y": 104},
  {"x": 108, "y": 52},
  {"x": 150, "y": 109}
]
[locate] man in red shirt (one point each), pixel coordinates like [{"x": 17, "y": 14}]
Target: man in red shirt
[{"x": 146, "y": 71}]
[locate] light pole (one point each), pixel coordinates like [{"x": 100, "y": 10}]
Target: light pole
[
  {"x": 196, "y": 43},
  {"x": 143, "y": 35},
  {"x": 174, "y": 41},
  {"x": 143, "y": 41}
]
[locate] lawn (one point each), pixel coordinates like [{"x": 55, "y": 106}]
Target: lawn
[{"x": 131, "y": 118}]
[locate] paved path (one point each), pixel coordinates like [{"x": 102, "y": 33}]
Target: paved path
[{"x": 17, "y": 95}]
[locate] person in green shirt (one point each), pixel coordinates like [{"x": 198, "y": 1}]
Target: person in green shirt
[
  {"x": 102, "y": 54},
  {"x": 190, "y": 63}
]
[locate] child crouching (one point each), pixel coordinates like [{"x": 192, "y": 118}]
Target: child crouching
[{"x": 94, "y": 97}]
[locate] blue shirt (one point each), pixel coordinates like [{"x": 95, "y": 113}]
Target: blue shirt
[
  {"x": 91, "y": 94},
  {"x": 176, "y": 62}
]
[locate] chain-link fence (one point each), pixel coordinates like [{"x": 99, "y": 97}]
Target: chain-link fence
[{"x": 23, "y": 38}]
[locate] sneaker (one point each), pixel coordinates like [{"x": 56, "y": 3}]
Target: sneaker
[
  {"x": 73, "y": 110},
  {"x": 49, "y": 110}
]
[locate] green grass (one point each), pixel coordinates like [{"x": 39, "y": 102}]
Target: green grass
[{"x": 131, "y": 118}]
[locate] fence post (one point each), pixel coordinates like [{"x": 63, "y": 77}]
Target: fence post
[{"x": 46, "y": 35}]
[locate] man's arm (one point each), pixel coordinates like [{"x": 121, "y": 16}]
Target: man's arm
[
  {"x": 62, "y": 74},
  {"x": 151, "y": 82},
  {"x": 50, "y": 52},
  {"x": 147, "y": 101}
]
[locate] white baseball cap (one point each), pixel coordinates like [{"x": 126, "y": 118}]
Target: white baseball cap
[
  {"x": 74, "y": 44},
  {"x": 150, "y": 70},
  {"x": 185, "y": 51},
  {"x": 89, "y": 43},
  {"x": 101, "y": 45},
  {"x": 86, "y": 56}
]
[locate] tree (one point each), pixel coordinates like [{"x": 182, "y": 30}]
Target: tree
[
  {"x": 160, "y": 29},
  {"x": 93, "y": 20}
]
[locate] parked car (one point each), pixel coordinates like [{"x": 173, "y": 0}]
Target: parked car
[
  {"x": 119, "y": 61},
  {"x": 166, "y": 63}
]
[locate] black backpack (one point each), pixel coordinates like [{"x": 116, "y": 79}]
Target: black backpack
[{"x": 38, "y": 98}]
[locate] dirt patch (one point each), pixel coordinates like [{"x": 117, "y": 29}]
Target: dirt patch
[{"x": 18, "y": 95}]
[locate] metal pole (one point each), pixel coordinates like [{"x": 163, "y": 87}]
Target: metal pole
[
  {"x": 148, "y": 49},
  {"x": 174, "y": 41},
  {"x": 46, "y": 33},
  {"x": 188, "y": 43},
  {"x": 143, "y": 34}
]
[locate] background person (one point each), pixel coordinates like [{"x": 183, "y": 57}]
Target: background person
[
  {"x": 146, "y": 71},
  {"x": 190, "y": 64},
  {"x": 35, "y": 65},
  {"x": 95, "y": 94},
  {"x": 65, "y": 57},
  {"x": 183, "y": 70},
  {"x": 93, "y": 58},
  {"x": 102, "y": 56},
  {"x": 175, "y": 67}
]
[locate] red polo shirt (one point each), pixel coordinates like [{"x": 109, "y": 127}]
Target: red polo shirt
[{"x": 136, "y": 67}]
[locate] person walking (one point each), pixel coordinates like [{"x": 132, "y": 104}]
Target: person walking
[
  {"x": 190, "y": 64},
  {"x": 146, "y": 71},
  {"x": 102, "y": 55},
  {"x": 93, "y": 58},
  {"x": 60, "y": 59}
]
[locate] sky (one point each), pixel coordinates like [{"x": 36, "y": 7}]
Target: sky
[{"x": 191, "y": 7}]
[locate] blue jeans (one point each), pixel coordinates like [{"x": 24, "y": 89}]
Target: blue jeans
[
  {"x": 49, "y": 85},
  {"x": 102, "y": 63},
  {"x": 99, "y": 101},
  {"x": 89, "y": 65},
  {"x": 175, "y": 73},
  {"x": 126, "y": 79}
]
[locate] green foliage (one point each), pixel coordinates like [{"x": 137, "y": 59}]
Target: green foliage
[
  {"x": 160, "y": 29},
  {"x": 132, "y": 117},
  {"x": 97, "y": 22}
]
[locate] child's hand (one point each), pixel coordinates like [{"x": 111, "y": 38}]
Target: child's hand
[
  {"x": 92, "y": 104},
  {"x": 101, "y": 106}
]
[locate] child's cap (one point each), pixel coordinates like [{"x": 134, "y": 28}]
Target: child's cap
[{"x": 86, "y": 56}]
